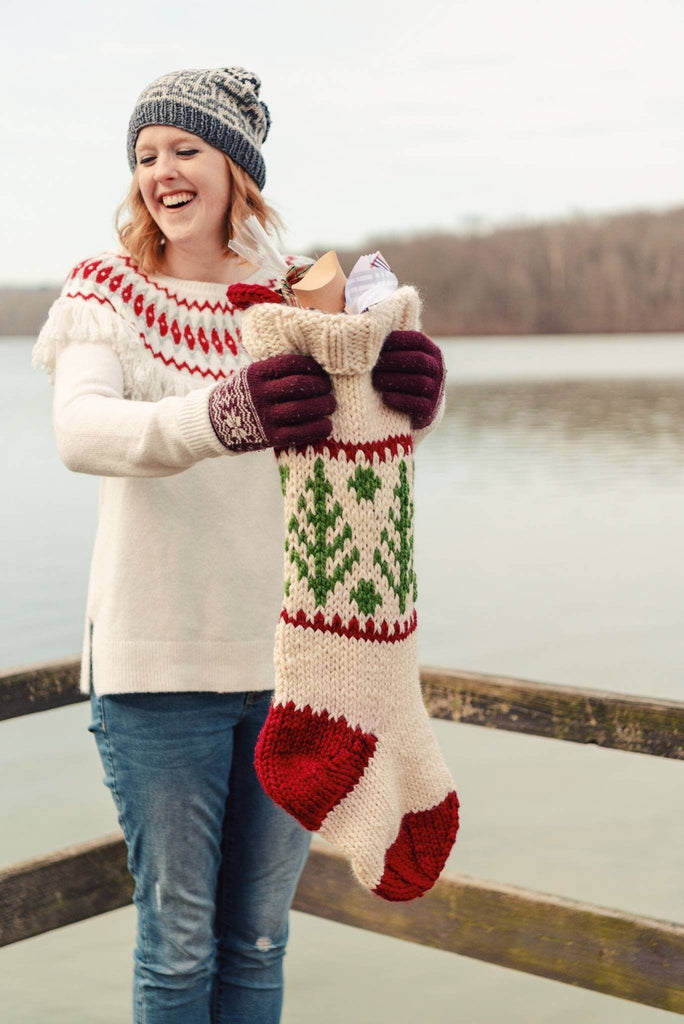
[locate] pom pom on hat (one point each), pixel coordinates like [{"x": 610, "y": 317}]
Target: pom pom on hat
[{"x": 220, "y": 105}]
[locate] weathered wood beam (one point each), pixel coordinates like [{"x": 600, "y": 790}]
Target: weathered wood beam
[
  {"x": 642, "y": 725},
  {"x": 635, "y": 958},
  {"x": 70, "y": 885},
  {"x": 39, "y": 687}
]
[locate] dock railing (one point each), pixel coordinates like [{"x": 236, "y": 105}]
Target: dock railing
[{"x": 620, "y": 954}]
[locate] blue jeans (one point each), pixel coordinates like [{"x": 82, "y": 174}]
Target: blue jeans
[{"x": 214, "y": 860}]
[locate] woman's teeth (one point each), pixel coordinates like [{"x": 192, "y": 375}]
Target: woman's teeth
[{"x": 179, "y": 199}]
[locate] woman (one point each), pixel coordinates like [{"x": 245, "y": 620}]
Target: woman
[{"x": 152, "y": 386}]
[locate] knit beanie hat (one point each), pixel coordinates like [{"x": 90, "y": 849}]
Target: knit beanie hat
[{"x": 220, "y": 105}]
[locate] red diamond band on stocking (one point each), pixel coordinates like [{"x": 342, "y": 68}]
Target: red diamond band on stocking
[{"x": 360, "y": 631}]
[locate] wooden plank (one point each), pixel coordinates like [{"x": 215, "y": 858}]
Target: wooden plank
[
  {"x": 78, "y": 882},
  {"x": 40, "y": 687},
  {"x": 635, "y": 958},
  {"x": 642, "y": 725}
]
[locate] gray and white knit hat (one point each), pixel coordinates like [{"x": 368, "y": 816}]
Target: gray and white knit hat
[{"x": 220, "y": 105}]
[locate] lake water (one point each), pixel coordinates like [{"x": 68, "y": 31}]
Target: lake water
[{"x": 549, "y": 507}]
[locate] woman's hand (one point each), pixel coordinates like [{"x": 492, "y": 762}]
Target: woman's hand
[
  {"x": 278, "y": 402},
  {"x": 410, "y": 376}
]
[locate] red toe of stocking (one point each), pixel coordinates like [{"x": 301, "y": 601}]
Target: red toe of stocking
[{"x": 417, "y": 857}]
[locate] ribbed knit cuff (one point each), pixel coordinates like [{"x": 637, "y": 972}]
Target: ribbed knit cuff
[
  {"x": 343, "y": 344},
  {"x": 195, "y": 425}
]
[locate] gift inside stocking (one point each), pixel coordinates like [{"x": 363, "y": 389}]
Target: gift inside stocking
[{"x": 347, "y": 748}]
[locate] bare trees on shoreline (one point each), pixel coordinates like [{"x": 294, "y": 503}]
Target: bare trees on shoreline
[{"x": 616, "y": 274}]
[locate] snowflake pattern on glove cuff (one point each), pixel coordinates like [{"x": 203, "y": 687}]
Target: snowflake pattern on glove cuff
[{"x": 234, "y": 417}]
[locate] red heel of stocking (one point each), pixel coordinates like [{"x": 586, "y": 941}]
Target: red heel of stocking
[{"x": 308, "y": 762}]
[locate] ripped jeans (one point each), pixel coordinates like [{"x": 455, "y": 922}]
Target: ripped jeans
[{"x": 214, "y": 860}]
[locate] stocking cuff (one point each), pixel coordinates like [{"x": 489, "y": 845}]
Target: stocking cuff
[{"x": 343, "y": 344}]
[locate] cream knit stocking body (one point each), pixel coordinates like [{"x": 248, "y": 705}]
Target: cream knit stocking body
[{"x": 347, "y": 748}]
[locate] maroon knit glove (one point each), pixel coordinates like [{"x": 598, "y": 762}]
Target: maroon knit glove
[
  {"x": 410, "y": 376},
  {"x": 278, "y": 402}
]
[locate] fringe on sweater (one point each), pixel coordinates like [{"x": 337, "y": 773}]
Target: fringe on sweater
[{"x": 71, "y": 322}]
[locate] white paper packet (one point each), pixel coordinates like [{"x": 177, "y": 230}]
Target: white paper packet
[{"x": 370, "y": 281}]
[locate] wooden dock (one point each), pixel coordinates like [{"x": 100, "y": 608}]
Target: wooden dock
[{"x": 625, "y": 955}]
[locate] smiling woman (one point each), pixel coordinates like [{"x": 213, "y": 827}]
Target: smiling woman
[
  {"x": 185, "y": 578},
  {"x": 153, "y": 387}
]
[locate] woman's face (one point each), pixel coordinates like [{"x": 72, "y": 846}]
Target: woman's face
[{"x": 185, "y": 184}]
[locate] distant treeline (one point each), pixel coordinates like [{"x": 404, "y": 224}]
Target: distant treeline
[{"x": 619, "y": 273}]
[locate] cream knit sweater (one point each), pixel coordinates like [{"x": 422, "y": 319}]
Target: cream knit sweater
[{"x": 185, "y": 581}]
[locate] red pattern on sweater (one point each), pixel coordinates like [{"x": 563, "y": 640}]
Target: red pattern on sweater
[
  {"x": 169, "y": 360},
  {"x": 86, "y": 268},
  {"x": 90, "y": 295},
  {"x": 141, "y": 301},
  {"x": 197, "y": 336},
  {"x": 216, "y": 374}
]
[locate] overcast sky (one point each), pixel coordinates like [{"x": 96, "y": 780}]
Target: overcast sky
[{"x": 387, "y": 116}]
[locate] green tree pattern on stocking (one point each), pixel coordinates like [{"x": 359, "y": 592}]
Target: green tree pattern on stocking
[
  {"x": 315, "y": 555},
  {"x": 284, "y": 472},
  {"x": 365, "y": 482},
  {"x": 402, "y": 552},
  {"x": 366, "y": 597}
]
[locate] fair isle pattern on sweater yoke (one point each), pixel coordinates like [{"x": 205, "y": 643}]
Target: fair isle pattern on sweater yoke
[
  {"x": 170, "y": 326},
  {"x": 171, "y": 336}
]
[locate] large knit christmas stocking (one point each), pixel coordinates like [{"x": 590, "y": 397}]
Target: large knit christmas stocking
[{"x": 347, "y": 748}]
